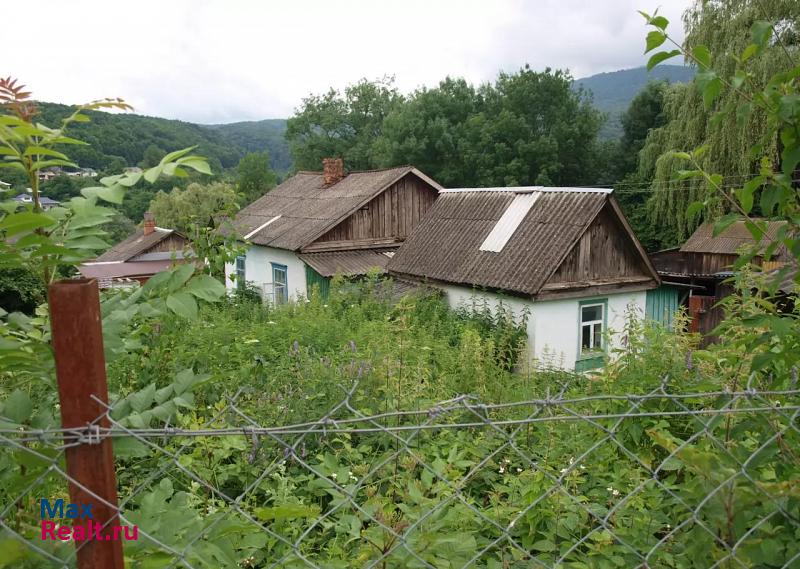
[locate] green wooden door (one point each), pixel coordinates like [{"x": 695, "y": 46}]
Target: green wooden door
[
  {"x": 662, "y": 304},
  {"x": 314, "y": 280}
]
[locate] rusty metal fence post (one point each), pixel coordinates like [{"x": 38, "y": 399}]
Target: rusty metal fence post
[{"x": 81, "y": 373}]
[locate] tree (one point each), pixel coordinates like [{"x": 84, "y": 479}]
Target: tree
[
  {"x": 254, "y": 176},
  {"x": 152, "y": 156},
  {"x": 528, "y": 128},
  {"x": 645, "y": 113},
  {"x": 195, "y": 205},
  {"x": 723, "y": 28},
  {"x": 428, "y": 131},
  {"x": 332, "y": 125}
]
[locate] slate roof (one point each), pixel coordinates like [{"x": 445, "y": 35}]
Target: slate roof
[
  {"x": 302, "y": 208},
  {"x": 347, "y": 263},
  {"x": 730, "y": 241},
  {"x": 446, "y": 246},
  {"x": 135, "y": 245}
]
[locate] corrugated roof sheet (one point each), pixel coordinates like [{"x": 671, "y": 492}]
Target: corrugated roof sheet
[
  {"x": 446, "y": 244},
  {"x": 135, "y": 245},
  {"x": 730, "y": 241},
  {"x": 307, "y": 208},
  {"x": 347, "y": 263}
]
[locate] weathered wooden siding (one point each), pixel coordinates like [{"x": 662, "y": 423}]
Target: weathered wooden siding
[
  {"x": 389, "y": 217},
  {"x": 690, "y": 263},
  {"x": 604, "y": 253},
  {"x": 172, "y": 243}
]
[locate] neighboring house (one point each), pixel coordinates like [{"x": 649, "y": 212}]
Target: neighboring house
[
  {"x": 148, "y": 251},
  {"x": 702, "y": 265},
  {"x": 49, "y": 173},
  {"x": 44, "y": 201},
  {"x": 319, "y": 224},
  {"x": 564, "y": 256}
]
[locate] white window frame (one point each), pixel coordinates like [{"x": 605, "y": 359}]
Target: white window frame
[{"x": 591, "y": 324}]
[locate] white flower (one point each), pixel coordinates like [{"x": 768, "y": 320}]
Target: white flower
[
  {"x": 333, "y": 475},
  {"x": 564, "y": 470},
  {"x": 583, "y": 467},
  {"x": 614, "y": 491},
  {"x": 519, "y": 470},
  {"x": 511, "y": 525},
  {"x": 507, "y": 461},
  {"x": 502, "y": 469}
]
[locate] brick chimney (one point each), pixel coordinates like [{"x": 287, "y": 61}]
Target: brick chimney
[
  {"x": 332, "y": 170},
  {"x": 149, "y": 222}
]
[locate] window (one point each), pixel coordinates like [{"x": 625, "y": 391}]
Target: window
[
  {"x": 240, "y": 274},
  {"x": 280, "y": 289},
  {"x": 592, "y": 319},
  {"x": 592, "y": 325}
]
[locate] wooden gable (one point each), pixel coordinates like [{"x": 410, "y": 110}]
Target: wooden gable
[
  {"x": 386, "y": 220},
  {"x": 607, "y": 258}
]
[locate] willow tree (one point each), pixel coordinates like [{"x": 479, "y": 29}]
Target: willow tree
[{"x": 724, "y": 27}]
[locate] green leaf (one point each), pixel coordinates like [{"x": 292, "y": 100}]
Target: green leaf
[
  {"x": 11, "y": 551},
  {"x": 196, "y": 163},
  {"x": 749, "y": 52},
  {"x": 693, "y": 209},
  {"x": 172, "y": 156},
  {"x": 544, "y": 545},
  {"x": 761, "y": 31},
  {"x": 180, "y": 275},
  {"x": 659, "y": 22},
  {"x": 660, "y": 57},
  {"x": 143, "y": 398},
  {"x": 790, "y": 157},
  {"x": 43, "y": 151},
  {"x": 654, "y": 39},
  {"x": 206, "y": 287},
  {"x": 183, "y": 304},
  {"x": 113, "y": 194},
  {"x": 724, "y": 223},
  {"x": 18, "y": 407},
  {"x": 24, "y": 221},
  {"x": 702, "y": 56},
  {"x": 152, "y": 174},
  {"x": 711, "y": 91}
]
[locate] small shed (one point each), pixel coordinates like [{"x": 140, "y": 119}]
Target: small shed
[
  {"x": 566, "y": 257},
  {"x": 703, "y": 265}
]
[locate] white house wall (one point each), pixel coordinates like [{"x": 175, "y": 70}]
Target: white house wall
[
  {"x": 553, "y": 325},
  {"x": 258, "y": 270}
]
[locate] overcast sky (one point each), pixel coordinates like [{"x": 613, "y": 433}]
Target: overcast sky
[{"x": 214, "y": 61}]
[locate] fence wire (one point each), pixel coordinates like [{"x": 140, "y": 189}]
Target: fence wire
[{"x": 659, "y": 479}]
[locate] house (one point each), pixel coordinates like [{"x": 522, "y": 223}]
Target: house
[
  {"x": 148, "y": 251},
  {"x": 703, "y": 265},
  {"x": 46, "y": 174},
  {"x": 44, "y": 201},
  {"x": 566, "y": 257},
  {"x": 319, "y": 224}
]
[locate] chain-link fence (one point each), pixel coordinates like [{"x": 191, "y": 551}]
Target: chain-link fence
[{"x": 657, "y": 479}]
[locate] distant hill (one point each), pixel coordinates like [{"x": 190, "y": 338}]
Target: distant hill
[
  {"x": 255, "y": 136},
  {"x": 613, "y": 91},
  {"x": 122, "y": 139}
]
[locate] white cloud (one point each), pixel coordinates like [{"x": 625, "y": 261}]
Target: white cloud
[{"x": 221, "y": 61}]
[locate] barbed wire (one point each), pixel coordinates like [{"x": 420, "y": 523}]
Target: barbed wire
[{"x": 719, "y": 476}]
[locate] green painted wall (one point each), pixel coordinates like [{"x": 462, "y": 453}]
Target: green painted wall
[
  {"x": 314, "y": 279},
  {"x": 662, "y": 304}
]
